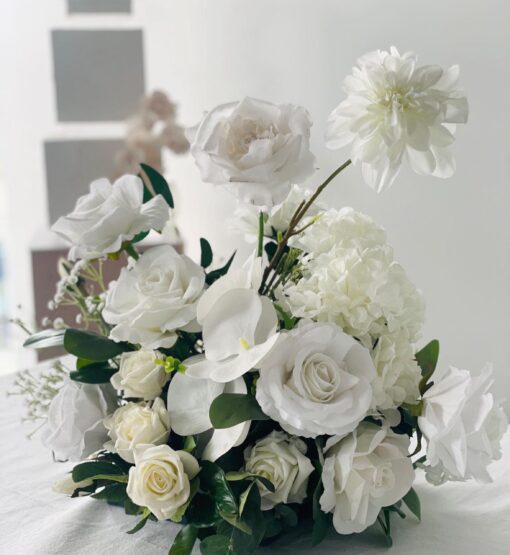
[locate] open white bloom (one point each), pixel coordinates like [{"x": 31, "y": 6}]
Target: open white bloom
[
  {"x": 396, "y": 109},
  {"x": 238, "y": 325},
  {"x": 398, "y": 374},
  {"x": 282, "y": 460},
  {"x": 109, "y": 215},
  {"x": 255, "y": 148},
  {"x": 140, "y": 374},
  {"x": 350, "y": 277},
  {"x": 154, "y": 298},
  {"x": 367, "y": 470},
  {"x": 189, "y": 400},
  {"x": 74, "y": 429},
  {"x": 462, "y": 423},
  {"x": 136, "y": 424},
  {"x": 316, "y": 381},
  {"x": 160, "y": 480}
]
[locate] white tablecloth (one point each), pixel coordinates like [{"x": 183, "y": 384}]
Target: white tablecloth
[{"x": 464, "y": 519}]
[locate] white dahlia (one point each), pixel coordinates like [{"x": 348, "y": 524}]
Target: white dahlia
[{"x": 396, "y": 109}]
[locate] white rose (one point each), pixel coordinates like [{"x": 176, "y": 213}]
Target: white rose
[
  {"x": 255, "y": 148},
  {"x": 189, "y": 400},
  {"x": 140, "y": 374},
  {"x": 137, "y": 424},
  {"x": 316, "y": 381},
  {"x": 462, "y": 423},
  {"x": 160, "y": 479},
  {"x": 108, "y": 216},
  {"x": 154, "y": 298},
  {"x": 281, "y": 459},
  {"x": 74, "y": 429},
  {"x": 365, "y": 471},
  {"x": 238, "y": 325},
  {"x": 67, "y": 485}
]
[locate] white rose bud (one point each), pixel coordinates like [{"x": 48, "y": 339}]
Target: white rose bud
[
  {"x": 141, "y": 375},
  {"x": 67, "y": 485},
  {"x": 281, "y": 459},
  {"x": 136, "y": 424},
  {"x": 108, "y": 216},
  {"x": 160, "y": 479}
]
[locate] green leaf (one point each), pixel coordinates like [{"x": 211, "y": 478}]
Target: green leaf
[
  {"x": 211, "y": 277},
  {"x": 229, "y": 409},
  {"x": 45, "y": 338},
  {"x": 87, "y": 470},
  {"x": 91, "y": 346},
  {"x": 260, "y": 248},
  {"x": 287, "y": 515},
  {"x": 131, "y": 508},
  {"x": 237, "y": 476},
  {"x": 385, "y": 523},
  {"x": 206, "y": 256},
  {"x": 243, "y": 497},
  {"x": 270, "y": 249},
  {"x": 235, "y": 521},
  {"x": 216, "y": 545},
  {"x": 184, "y": 541},
  {"x": 159, "y": 184},
  {"x": 412, "y": 500},
  {"x": 140, "y": 236},
  {"x": 96, "y": 372},
  {"x": 427, "y": 358},
  {"x": 202, "y": 512},
  {"x": 321, "y": 520},
  {"x": 113, "y": 492},
  {"x": 214, "y": 482},
  {"x": 289, "y": 322},
  {"x": 141, "y": 523}
]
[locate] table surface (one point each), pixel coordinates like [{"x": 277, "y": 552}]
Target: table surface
[{"x": 458, "y": 518}]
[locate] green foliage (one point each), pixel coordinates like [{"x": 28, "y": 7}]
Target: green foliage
[
  {"x": 113, "y": 493},
  {"x": 384, "y": 520},
  {"x": 93, "y": 372},
  {"x": 45, "y": 338},
  {"x": 412, "y": 501},
  {"x": 287, "y": 320},
  {"x": 184, "y": 541},
  {"x": 229, "y": 409},
  {"x": 216, "y": 545},
  {"x": 93, "y": 469},
  {"x": 214, "y": 275},
  {"x": 427, "y": 361},
  {"x": 142, "y": 522},
  {"x": 236, "y": 476},
  {"x": 206, "y": 254},
  {"x": 140, "y": 236},
  {"x": 91, "y": 346},
  {"x": 159, "y": 184},
  {"x": 214, "y": 482}
]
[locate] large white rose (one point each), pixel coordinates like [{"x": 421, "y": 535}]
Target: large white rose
[
  {"x": 137, "y": 424},
  {"x": 160, "y": 480},
  {"x": 462, "y": 423},
  {"x": 75, "y": 429},
  {"x": 281, "y": 459},
  {"x": 188, "y": 403},
  {"x": 238, "y": 325},
  {"x": 365, "y": 471},
  {"x": 154, "y": 298},
  {"x": 141, "y": 374},
  {"x": 109, "y": 215},
  {"x": 316, "y": 381},
  {"x": 397, "y": 110},
  {"x": 255, "y": 148}
]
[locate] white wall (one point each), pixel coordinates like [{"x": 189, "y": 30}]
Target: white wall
[{"x": 452, "y": 236}]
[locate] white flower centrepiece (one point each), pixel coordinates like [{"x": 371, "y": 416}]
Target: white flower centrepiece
[
  {"x": 462, "y": 423},
  {"x": 109, "y": 215},
  {"x": 396, "y": 109},
  {"x": 255, "y": 148},
  {"x": 160, "y": 479},
  {"x": 282, "y": 460},
  {"x": 362, "y": 473},
  {"x": 74, "y": 429},
  {"x": 141, "y": 375},
  {"x": 154, "y": 298},
  {"x": 136, "y": 424},
  {"x": 316, "y": 381}
]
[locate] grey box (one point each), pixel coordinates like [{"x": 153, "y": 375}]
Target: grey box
[
  {"x": 99, "y": 6},
  {"x": 71, "y": 166},
  {"x": 99, "y": 75}
]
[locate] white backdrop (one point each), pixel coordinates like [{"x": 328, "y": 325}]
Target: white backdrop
[{"x": 452, "y": 236}]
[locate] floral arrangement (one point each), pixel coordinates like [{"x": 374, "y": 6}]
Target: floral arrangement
[{"x": 249, "y": 401}]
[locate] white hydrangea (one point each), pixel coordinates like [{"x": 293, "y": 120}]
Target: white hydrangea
[{"x": 350, "y": 278}]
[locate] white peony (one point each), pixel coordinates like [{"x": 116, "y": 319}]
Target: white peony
[
  {"x": 462, "y": 423},
  {"x": 74, "y": 429},
  {"x": 189, "y": 400},
  {"x": 255, "y": 148},
  {"x": 365, "y": 471},
  {"x": 238, "y": 325},
  {"x": 350, "y": 277},
  {"x": 282, "y": 460},
  {"x": 154, "y": 298},
  {"x": 396, "y": 109},
  {"x": 136, "y": 424},
  {"x": 160, "y": 480},
  {"x": 398, "y": 374},
  {"x": 141, "y": 375},
  {"x": 108, "y": 216},
  {"x": 316, "y": 381}
]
